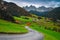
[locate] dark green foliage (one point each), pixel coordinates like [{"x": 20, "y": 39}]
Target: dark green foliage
[
  {"x": 39, "y": 17},
  {"x": 26, "y": 18},
  {"x": 55, "y": 14}
]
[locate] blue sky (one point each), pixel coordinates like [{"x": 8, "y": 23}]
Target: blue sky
[{"x": 37, "y": 3}]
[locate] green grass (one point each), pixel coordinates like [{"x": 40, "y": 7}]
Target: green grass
[
  {"x": 49, "y": 24},
  {"x": 23, "y": 20},
  {"x": 39, "y": 26},
  {"x": 8, "y": 27},
  {"x": 48, "y": 35}
]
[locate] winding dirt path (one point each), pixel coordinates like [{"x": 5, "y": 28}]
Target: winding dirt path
[{"x": 31, "y": 35}]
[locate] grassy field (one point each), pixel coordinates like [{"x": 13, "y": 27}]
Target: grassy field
[
  {"x": 48, "y": 34},
  {"x": 49, "y": 24},
  {"x": 39, "y": 26},
  {"x": 23, "y": 20},
  {"x": 9, "y": 27}
]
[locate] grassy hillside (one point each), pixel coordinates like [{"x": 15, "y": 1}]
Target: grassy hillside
[
  {"x": 24, "y": 19},
  {"x": 39, "y": 26},
  {"x": 49, "y": 25},
  {"x": 9, "y": 27},
  {"x": 48, "y": 34}
]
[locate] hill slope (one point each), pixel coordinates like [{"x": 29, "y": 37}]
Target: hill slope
[
  {"x": 9, "y": 9},
  {"x": 11, "y": 28},
  {"x": 38, "y": 13},
  {"x": 55, "y": 13}
]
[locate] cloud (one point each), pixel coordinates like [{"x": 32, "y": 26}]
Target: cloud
[{"x": 37, "y": 3}]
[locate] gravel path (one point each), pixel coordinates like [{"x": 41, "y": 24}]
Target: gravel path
[{"x": 31, "y": 35}]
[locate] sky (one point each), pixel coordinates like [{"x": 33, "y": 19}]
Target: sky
[{"x": 36, "y": 3}]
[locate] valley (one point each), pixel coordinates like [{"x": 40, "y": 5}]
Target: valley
[{"x": 16, "y": 21}]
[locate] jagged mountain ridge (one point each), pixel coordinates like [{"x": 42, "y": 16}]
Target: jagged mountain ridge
[{"x": 39, "y": 9}]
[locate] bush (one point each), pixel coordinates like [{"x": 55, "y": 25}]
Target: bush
[
  {"x": 55, "y": 29},
  {"x": 39, "y": 17}
]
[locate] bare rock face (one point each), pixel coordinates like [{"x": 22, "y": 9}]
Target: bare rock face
[
  {"x": 15, "y": 10},
  {"x": 4, "y": 14}
]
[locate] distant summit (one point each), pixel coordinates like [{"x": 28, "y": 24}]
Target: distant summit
[
  {"x": 39, "y": 9},
  {"x": 30, "y": 8}
]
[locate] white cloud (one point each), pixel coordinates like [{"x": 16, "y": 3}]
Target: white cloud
[{"x": 46, "y": 4}]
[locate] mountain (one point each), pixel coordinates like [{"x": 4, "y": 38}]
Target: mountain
[
  {"x": 39, "y": 9},
  {"x": 16, "y": 10},
  {"x": 9, "y": 9},
  {"x": 55, "y": 13},
  {"x": 29, "y": 8},
  {"x": 38, "y": 13},
  {"x": 44, "y": 9},
  {"x": 4, "y": 14}
]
